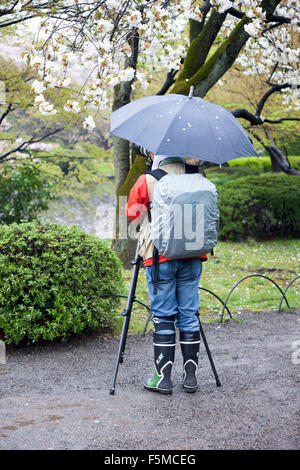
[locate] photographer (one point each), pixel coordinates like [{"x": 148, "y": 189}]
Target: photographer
[{"x": 173, "y": 290}]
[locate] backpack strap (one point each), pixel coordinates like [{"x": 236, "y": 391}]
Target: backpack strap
[
  {"x": 155, "y": 269},
  {"x": 157, "y": 174}
]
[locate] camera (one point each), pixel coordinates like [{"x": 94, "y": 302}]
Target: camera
[
  {"x": 144, "y": 152},
  {"x": 141, "y": 150}
]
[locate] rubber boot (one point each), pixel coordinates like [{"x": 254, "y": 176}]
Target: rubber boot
[
  {"x": 164, "y": 353},
  {"x": 189, "y": 342}
]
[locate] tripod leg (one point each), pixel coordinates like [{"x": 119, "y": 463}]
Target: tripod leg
[
  {"x": 147, "y": 323},
  {"x": 120, "y": 351},
  {"x": 218, "y": 383},
  {"x": 127, "y": 315}
]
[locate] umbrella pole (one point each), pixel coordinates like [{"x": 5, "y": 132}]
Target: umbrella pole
[{"x": 127, "y": 315}]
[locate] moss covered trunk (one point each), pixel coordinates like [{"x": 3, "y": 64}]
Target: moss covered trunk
[
  {"x": 203, "y": 69},
  {"x": 124, "y": 245}
]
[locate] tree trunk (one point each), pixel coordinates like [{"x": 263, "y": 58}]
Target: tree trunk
[
  {"x": 279, "y": 160},
  {"x": 209, "y": 72},
  {"x": 124, "y": 245},
  {"x": 121, "y": 153},
  {"x": 200, "y": 46},
  {"x": 203, "y": 72}
]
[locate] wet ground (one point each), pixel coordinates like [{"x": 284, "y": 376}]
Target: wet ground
[{"x": 57, "y": 396}]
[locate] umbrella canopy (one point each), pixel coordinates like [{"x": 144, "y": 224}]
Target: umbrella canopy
[{"x": 183, "y": 126}]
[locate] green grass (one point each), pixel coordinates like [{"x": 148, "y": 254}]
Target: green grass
[{"x": 277, "y": 259}]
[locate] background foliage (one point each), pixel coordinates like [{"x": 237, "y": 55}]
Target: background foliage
[
  {"x": 259, "y": 207},
  {"x": 24, "y": 192}
]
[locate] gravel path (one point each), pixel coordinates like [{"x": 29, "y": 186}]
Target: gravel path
[{"x": 58, "y": 397}]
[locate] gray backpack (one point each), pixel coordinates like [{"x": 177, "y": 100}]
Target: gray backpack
[{"x": 185, "y": 215}]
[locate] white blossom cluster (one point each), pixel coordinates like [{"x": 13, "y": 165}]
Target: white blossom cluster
[
  {"x": 274, "y": 52},
  {"x": 99, "y": 39},
  {"x": 101, "y": 45}
]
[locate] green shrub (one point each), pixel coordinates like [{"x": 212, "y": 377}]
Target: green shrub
[
  {"x": 221, "y": 175},
  {"x": 261, "y": 206},
  {"x": 24, "y": 192},
  {"x": 260, "y": 164},
  {"x": 52, "y": 277},
  {"x": 254, "y": 163},
  {"x": 244, "y": 167}
]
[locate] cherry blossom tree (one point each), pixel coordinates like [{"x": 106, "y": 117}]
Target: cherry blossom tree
[
  {"x": 16, "y": 97},
  {"x": 262, "y": 110},
  {"x": 121, "y": 46},
  {"x": 17, "y": 83}
]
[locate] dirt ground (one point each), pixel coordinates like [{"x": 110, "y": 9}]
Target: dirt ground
[{"x": 57, "y": 396}]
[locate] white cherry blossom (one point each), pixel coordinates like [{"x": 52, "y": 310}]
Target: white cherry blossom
[
  {"x": 99, "y": 43},
  {"x": 89, "y": 123}
]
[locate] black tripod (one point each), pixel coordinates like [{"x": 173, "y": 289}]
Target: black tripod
[{"x": 127, "y": 315}]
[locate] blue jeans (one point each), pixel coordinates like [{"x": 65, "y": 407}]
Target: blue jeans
[{"x": 177, "y": 293}]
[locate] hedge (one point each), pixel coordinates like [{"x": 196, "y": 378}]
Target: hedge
[
  {"x": 260, "y": 164},
  {"x": 261, "y": 206},
  {"x": 51, "y": 280}
]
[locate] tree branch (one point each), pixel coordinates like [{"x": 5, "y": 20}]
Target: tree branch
[
  {"x": 20, "y": 20},
  {"x": 267, "y": 95},
  {"x": 245, "y": 114},
  {"x": 235, "y": 12},
  {"x": 278, "y": 121},
  {"x": 170, "y": 79},
  {"x": 197, "y": 26},
  {"x": 257, "y": 120},
  {"x": 278, "y": 19},
  {"x": 25, "y": 144},
  {"x": 6, "y": 112}
]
